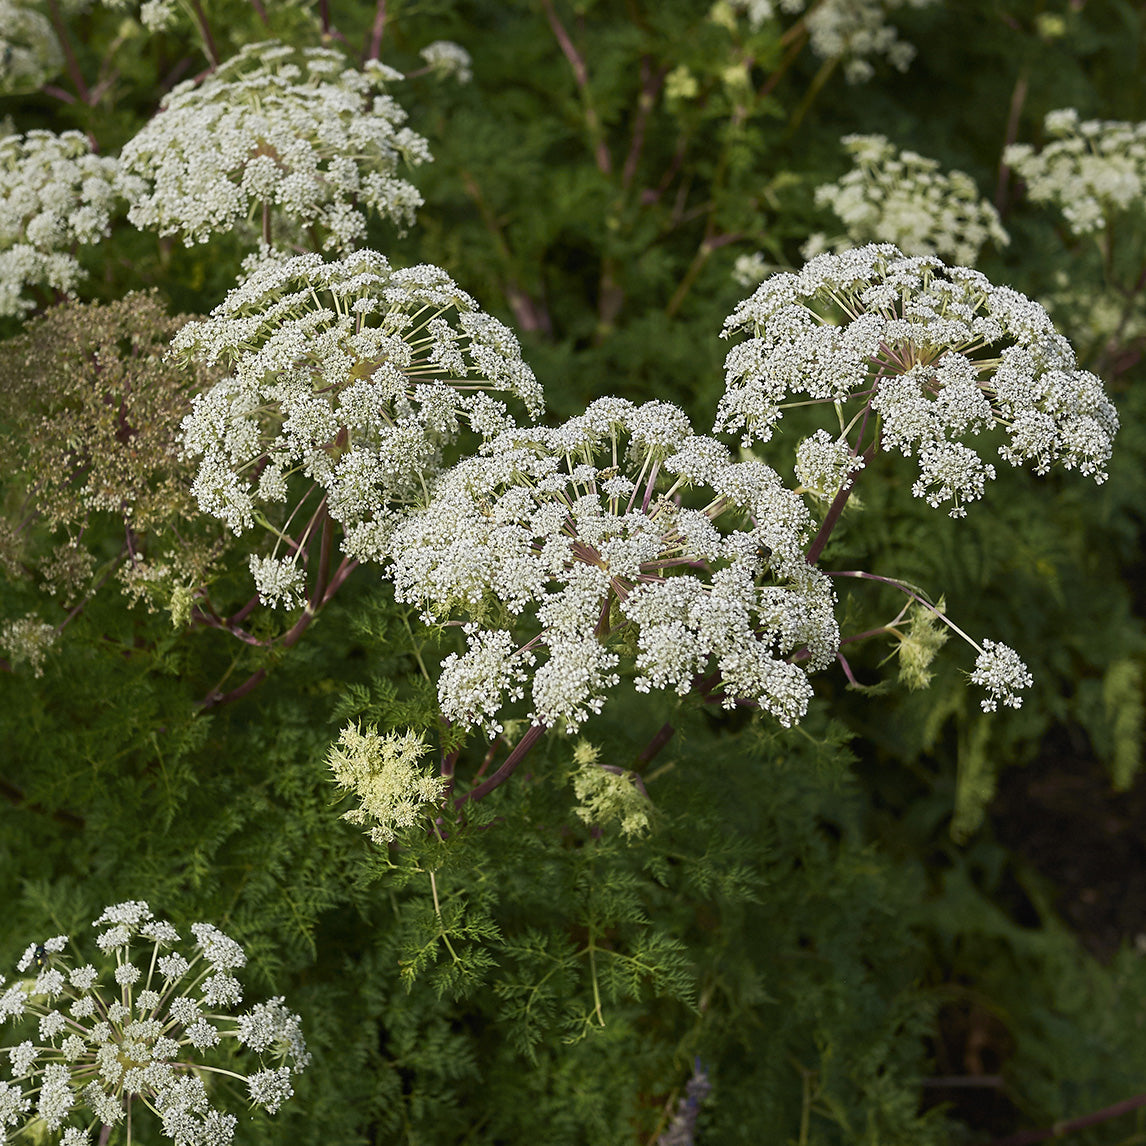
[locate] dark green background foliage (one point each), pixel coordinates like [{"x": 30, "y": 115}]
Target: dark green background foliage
[{"x": 838, "y": 920}]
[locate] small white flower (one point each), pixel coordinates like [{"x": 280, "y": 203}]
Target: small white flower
[
  {"x": 278, "y": 582},
  {"x": 23, "y": 1057},
  {"x": 1000, "y": 671},
  {"x": 126, "y": 974},
  {"x": 270, "y": 1088}
]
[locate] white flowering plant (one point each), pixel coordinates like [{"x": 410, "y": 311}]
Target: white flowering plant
[
  {"x": 695, "y": 578},
  {"x": 619, "y": 538},
  {"x": 291, "y": 145},
  {"x": 1093, "y": 173},
  {"x": 1092, "y": 170},
  {"x": 143, "y": 1039}
]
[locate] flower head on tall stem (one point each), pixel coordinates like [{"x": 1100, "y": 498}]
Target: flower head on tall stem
[
  {"x": 352, "y": 375},
  {"x": 144, "y": 1033},
  {"x": 294, "y": 142},
  {"x": 619, "y": 538},
  {"x": 922, "y": 358}
]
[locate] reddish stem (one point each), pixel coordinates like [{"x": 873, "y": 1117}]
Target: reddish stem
[
  {"x": 74, "y": 73},
  {"x": 375, "y": 48},
  {"x": 14, "y": 795},
  {"x": 657, "y": 743},
  {"x": 1060, "y": 1129},
  {"x": 520, "y": 751},
  {"x": 581, "y": 76}
]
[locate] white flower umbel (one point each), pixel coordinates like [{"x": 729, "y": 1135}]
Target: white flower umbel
[
  {"x": 142, "y": 1027},
  {"x": 384, "y": 772},
  {"x": 900, "y": 197},
  {"x": 619, "y": 538},
  {"x": 294, "y": 142},
  {"x": 30, "y": 53},
  {"x": 26, "y": 640},
  {"x": 917, "y": 357},
  {"x": 351, "y": 373},
  {"x": 1091, "y": 170},
  {"x": 447, "y": 59},
  {"x": 54, "y": 193},
  {"x": 853, "y": 31},
  {"x": 999, "y": 670}
]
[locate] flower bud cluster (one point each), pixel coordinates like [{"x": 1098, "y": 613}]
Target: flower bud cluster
[
  {"x": 350, "y": 372},
  {"x": 385, "y": 773},
  {"x": 54, "y": 193},
  {"x": 619, "y": 538},
  {"x": 144, "y": 1026},
  {"x": 900, "y": 197},
  {"x": 295, "y": 133},
  {"x": 1090, "y": 170},
  {"x": 938, "y": 354}
]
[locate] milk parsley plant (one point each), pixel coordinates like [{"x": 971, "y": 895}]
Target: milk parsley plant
[
  {"x": 54, "y": 194},
  {"x": 292, "y": 144},
  {"x": 923, "y": 359},
  {"x": 903, "y": 198},
  {"x": 618, "y": 541},
  {"x": 142, "y": 1040},
  {"x": 352, "y": 375}
]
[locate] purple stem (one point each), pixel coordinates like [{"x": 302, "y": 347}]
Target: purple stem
[
  {"x": 375, "y": 48},
  {"x": 520, "y": 751},
  {"x": 657, "y": 743},
  {"x": 1060, "y": 1129}
]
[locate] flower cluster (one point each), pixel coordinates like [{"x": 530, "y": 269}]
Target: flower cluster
[
  {"x": 903, "y": 198},
  {"x": 999, "y": 670},
  {"x": 1090, "y": 169},
  {"x": 294, "y": 134},
  {"x": 597, "y": 543},
  {"x": 134, "y": 1031},
  {"x": 385, "y": 774},
  {"x": 607, "y": 794},
  {"x": 30, "y": 53},
  {"x": 848, "y": 30},
  {"x": 447, "y": 59},
  {"x": 937, "y": 354},
  {"x": 54, "y": 193},
  {"x": 350, "y": 372},
  {"x": 26, "y": 640}
]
